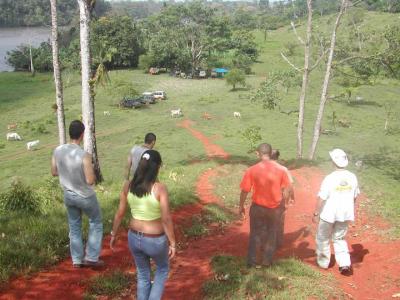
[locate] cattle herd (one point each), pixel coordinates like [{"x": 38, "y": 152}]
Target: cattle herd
[{"x": 13, "y": 136}]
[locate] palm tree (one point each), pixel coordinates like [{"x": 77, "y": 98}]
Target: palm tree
[
  {"x": 57, "y": 73},
  {"x": 88, "y": 118}
]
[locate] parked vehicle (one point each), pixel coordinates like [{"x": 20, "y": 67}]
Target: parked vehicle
[
  {"x": 160, "y": 95},
  {"x": 154, "y": 71},
  {"x": 130, "y": 103},
  {"x": 147, "y": 98},
  {"x": 202, "y": 74}
]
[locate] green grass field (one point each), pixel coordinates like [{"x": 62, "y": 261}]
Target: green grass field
[{"x": 28, "y": 101}]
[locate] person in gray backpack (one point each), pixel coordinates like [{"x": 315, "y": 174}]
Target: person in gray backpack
[
  {"x": 136, "y": 154},
  {"x": 74, "y": 168}
]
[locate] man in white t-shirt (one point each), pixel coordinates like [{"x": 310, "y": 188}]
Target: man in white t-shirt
[{"x": 335, "y": 208}]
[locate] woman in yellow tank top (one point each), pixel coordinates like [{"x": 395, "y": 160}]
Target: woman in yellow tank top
[{"x": 151, "y": 234}]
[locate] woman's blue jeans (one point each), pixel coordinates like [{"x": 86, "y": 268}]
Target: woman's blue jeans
[
  {"x": 76, "y": 205},
  {"x": 143, "y": 249}
]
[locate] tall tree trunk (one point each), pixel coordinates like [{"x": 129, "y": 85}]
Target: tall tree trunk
[
  {"x": 57, "y": 73},
  {"x": 88, "y": 119},
  {"x": 306, "y": 73},
  {"x": 31, "y": 59},
  {"x": 317, "y": 125}
]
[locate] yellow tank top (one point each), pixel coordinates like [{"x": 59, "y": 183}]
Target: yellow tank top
[{"x": 146, "y": 208}]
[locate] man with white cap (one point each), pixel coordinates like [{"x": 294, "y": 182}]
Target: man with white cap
[{"x": 335, "y": 208}]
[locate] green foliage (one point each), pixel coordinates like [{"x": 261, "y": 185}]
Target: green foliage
[
  {"x": 235, "y": 77},
  {"x": 244, "y": 43},
  {"x": 120, "y": 89},
  {"x": 244, "y": 19},
  {"x": 2, "y": 145},
  {"x": 37, "y": 12},
  {"x": 20, "y": 197},
  {"x": 233, "y": 280},
  {"x": 39, "y": 128},
  {"x": 146, "y": 62},
  {"x": 110, "y": 284},
  {"x": 212, "y": 214},
  {"x": 19, "y": 58},
  {"x": 290, "y": 48},
  {"x": 252, "y": 136},
  {"x": 115, "y": 42},
  {"x": 267, "y": 94}
]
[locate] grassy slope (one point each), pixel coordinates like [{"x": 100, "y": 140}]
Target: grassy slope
[{"x": 23, "y": 98}]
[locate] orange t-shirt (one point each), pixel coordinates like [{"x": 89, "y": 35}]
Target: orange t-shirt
[{"x": 266, "y": 179}]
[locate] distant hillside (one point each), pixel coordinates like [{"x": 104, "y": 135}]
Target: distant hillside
[{"x": 37, "y": 12}]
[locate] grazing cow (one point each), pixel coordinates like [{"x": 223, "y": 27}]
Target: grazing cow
[
  {"x": 237, "y": 114},
  {"x": 13, "y": 136},
  {"x": 176, "y": 112},
  {"x": 32, "y": 145},
  {"x": 206, "y": 116},
  {"x": 106, "y": 113},
  {"x": 12, "y": 126}
]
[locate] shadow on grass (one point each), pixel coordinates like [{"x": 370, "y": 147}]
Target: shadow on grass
[
  {"x": 385, "y": 160},
  {"x": 241, "y": 89}
]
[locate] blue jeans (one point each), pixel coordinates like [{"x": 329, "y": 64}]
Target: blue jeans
[
  {"x": 143, "y": 249},
  {"x": 76, "y": 205}
]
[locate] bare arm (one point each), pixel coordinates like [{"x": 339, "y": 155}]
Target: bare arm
[
  {"x": 88, "y": 169},
  {"x": 166, "y": 218},
  {"x": 54, "y": 170},
  {"x": 243, "y": 197},
  {"x": 119, "y": 215}
]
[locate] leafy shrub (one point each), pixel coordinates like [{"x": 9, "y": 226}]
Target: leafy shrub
[
  {"x": 26, "y": 124},
  {"x": 2, "y": 146},
  {"x": 39, "y": 128},
  {"x": 235, "y": 77},
  {"x": 24, "y": 198},
  {"x": 49, "y": 121},
  {"x": 20, "y": 197},
  {"x": 252, "y": 136}
]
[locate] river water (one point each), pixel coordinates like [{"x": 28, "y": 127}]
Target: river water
[{"x": 10, "y": 38}]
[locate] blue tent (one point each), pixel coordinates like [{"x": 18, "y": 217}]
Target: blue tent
[{"x": 220, "y": 72}]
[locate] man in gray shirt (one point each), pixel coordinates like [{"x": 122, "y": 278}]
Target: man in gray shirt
[
  {"x": 74, "y": 168},
  {"x": 136, "y": 154}
]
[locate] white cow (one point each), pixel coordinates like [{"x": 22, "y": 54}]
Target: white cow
[
  {"x": 237, "y": 114},
  {"x": 106, "y": 113},
  {"x": 13, "y": 136},
  {"x": 176, "y": 112},
  {"x": 32, "y": 145}
]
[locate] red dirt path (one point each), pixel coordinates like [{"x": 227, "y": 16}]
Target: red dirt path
[{"x": 376, "y": 262}]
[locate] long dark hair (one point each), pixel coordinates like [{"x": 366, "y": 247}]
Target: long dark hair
[{"x": 146, "y": 173}]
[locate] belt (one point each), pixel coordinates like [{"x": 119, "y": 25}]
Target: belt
[{"x": 151, "y": 235}]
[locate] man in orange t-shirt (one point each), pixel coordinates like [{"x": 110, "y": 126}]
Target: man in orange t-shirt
[{"x": 269, "y": 184}]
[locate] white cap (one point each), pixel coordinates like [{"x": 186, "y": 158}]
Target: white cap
[{"x": 339, "y": 157}]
